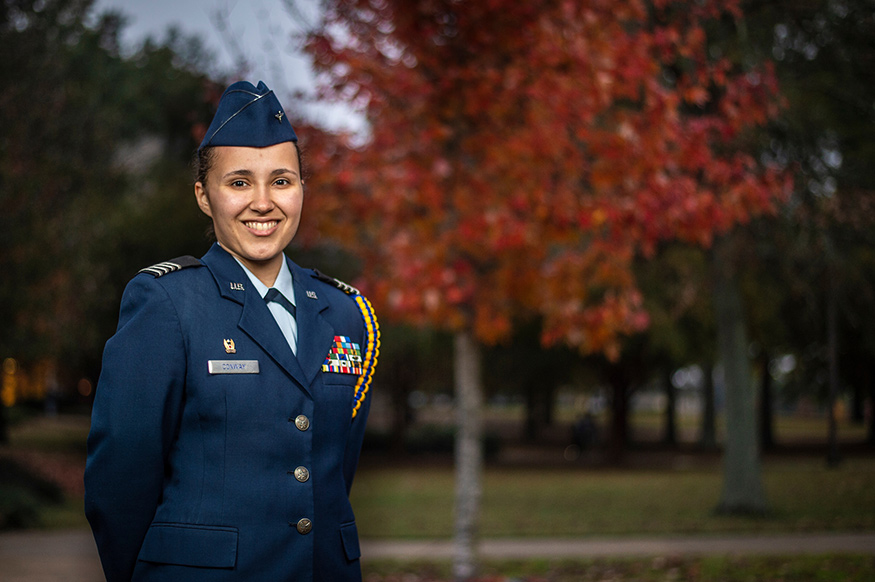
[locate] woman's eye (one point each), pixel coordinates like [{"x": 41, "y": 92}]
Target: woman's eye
[
  {"x": 238, "y": 184},
  {"x": 282, "y": 182}
]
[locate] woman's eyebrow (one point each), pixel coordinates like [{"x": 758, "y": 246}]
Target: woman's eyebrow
[
  {"x": 244, "y": 173},
  {"x": 249, "y": 173},
  {"x": 279, "y": 171}
]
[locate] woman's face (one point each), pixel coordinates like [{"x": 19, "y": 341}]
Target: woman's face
[{"x": 254, "y": 196}]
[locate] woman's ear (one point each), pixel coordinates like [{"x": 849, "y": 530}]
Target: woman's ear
[{"x": 203, "y": 201}]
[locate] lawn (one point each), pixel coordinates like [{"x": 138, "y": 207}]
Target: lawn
[{"x": 417, "y": 502}]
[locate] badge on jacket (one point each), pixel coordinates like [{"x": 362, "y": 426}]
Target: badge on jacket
[
  {"x": 344, "y": 357},
  {"x": 232, "y": 366}
]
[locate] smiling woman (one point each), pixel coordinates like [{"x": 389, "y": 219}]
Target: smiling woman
[
  {"x": 235, "y": 388},
  {"x": 254, "y": 196}
]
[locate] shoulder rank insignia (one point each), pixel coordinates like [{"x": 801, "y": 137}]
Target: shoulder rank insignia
[
  {"x": 161, "y": 269},
  {"x": 372, "y": 339},
  {"x": 345, "y": 287}
]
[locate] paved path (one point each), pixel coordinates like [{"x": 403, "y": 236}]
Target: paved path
[
  {"x": 855, "y": 543},
  {"x": 70, "y": 556}
]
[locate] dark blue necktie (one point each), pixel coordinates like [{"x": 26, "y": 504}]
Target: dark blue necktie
[{"x": 275, "y": 295}]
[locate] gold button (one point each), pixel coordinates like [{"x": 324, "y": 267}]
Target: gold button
[
  {"x": 304, "y": 525},
  {"x": 302, "y": 422},
  {"x": 302, "y": 474}
]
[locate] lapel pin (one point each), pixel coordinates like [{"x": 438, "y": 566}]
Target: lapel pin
[
  {"x": 236, "y": 286},
  {"x": 311, "y": 294},
  {"x": 229, "y": 346},
  {"x": 279, "y": 116}
]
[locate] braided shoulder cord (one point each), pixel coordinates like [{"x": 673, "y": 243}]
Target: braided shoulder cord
[{"x": 371, "y": 351}]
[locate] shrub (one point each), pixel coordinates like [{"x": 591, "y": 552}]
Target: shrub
[{"x": 22, "y": 493}]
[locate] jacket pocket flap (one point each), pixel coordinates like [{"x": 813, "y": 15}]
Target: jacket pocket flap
[
  {"x": 190, "y": 545},
  {"x": 350, "y": 536}
]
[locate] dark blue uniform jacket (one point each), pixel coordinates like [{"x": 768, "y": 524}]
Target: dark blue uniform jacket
[{"x": 197, "y": 476}]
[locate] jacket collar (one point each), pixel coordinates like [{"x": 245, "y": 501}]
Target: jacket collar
[{"x": 315, "y": 333}]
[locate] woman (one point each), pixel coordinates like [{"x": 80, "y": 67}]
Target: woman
[{"x": 232, "y": 401}]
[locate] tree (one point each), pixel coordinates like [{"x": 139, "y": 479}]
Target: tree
[
  {"x": 94, "y": 158},
  {"x": 520, "y": 156},
  {"x": 824, "y": 57}
]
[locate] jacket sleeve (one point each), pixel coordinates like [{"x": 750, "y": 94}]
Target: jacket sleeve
[{"x": 136, "y": 413}]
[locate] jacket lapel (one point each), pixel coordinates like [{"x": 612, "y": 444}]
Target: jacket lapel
[
  {"x": 315, "y": 333},
  {"x": 256, "y": 320}
]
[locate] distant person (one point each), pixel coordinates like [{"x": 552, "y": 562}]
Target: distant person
[
  {"x": 232, "y": 402},
  {"x": 585, "y": 432}
]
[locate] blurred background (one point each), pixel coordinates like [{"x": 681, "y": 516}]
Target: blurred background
[{"x": 634, "y": 239}]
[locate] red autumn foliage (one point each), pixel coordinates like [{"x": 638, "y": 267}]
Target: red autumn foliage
[{"x": 521, "y": 154}]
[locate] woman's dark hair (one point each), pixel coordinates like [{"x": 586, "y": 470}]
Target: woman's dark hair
[{"x": 203, "y": 162}]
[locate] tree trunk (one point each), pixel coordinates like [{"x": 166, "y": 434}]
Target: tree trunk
[
  {"x": 532, "y": 424},
  {"x": 861, "y": 384},
  {"x": 619, "y": 413},
  {"x": 767, "y": 417},
  {"x": 469, "y": 453},
  {"x": 7, "y": 387},
  {"x": 670, "y": 437},
  {"x": 708, "y": 435},
  {"x": 540, "y": 398},
  {"x": 833, "y": 457},
  {"x": 870, "y": 377},
  {"x": 4, "y": 427},
  {"x": 549, "y": 402},
  {"x": 400, "y": 393},
  {"x": 743, "y": 491}
]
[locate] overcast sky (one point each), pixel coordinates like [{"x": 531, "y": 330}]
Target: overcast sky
[{"x": 261, "y": 30}]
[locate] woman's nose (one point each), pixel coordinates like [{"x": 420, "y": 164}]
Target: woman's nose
[{"x": 261, "y": 200}]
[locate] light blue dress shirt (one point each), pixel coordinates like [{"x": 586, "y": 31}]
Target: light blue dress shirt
[{"x": 284, "y": 285}]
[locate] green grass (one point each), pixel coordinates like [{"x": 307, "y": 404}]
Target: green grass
[
  {"x": 50, "y": 449},
  {"x": 417, "y": 502},
  {"x": 804, "y": 496},
  {"x": 60, "y": 434},
  {"x": 711, "y": 569},
  {"x": 68, "y": 515}
]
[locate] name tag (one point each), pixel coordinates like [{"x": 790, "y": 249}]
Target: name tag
[{"x": 233, "y": 366}]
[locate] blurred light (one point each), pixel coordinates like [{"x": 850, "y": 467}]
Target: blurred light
[
  {"x": 84, "y": 387},
  {"x": 10, "y": 366},
  {"x": 9, "y": 383}
]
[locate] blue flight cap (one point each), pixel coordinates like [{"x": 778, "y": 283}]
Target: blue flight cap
[{"x": 249, "y": 116}]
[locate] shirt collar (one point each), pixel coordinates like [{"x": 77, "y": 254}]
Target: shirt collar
[{"x": 283, "y": 282}]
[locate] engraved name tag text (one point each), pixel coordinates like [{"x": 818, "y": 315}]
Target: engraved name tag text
[{"x": 233, "y": 366}]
